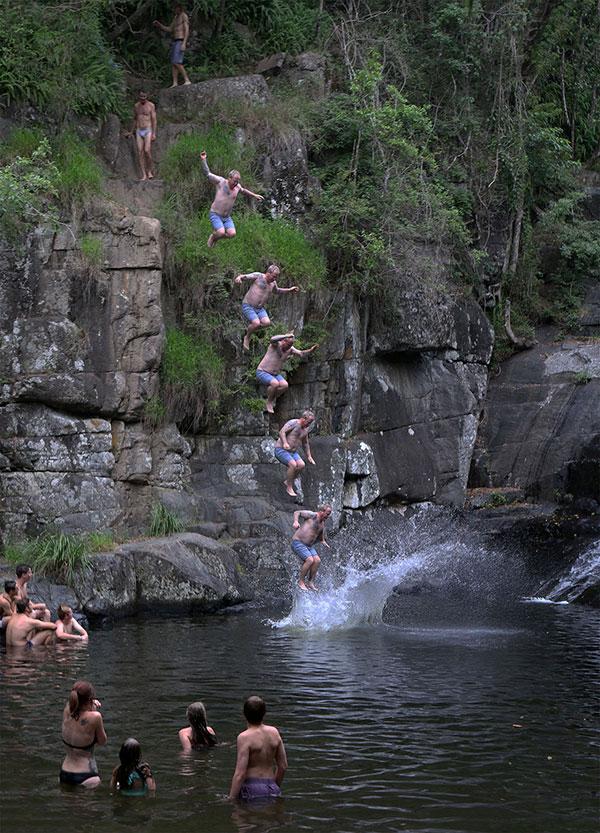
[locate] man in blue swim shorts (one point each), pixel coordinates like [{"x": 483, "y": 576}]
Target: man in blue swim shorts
[
  {"x": 306, "y": 536},
  {"x": 280, "y": 348},
  {"x": 180, "y": 31},
  {"x": 292, "y": 435},
  {"x": 261, "y": 759},
  {"x": 263, "y": 284},
  {"x": 144, "y": 124},
  {"x": 225, "y": 197}
]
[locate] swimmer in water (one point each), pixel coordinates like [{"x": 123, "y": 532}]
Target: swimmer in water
[
  {"x": 261, "y": 759},
  {"x": 263, "y": 284},
  {"x": 197, "y": 733},
  {"x": 305, "y": 537},
  {"x": 82, "y": 729},
  {"x": 24, "y": 631},
  {"x": 268, "y": 372},
  {"x": 66, "y": 624},
  {"x": 293, "y": 434},
  {"x": 133, "y": 776}
]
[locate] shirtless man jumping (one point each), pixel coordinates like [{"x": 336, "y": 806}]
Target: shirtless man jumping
[
  {"x": 225, "y": 196},
  {"x": 268, "y": 372},
  {"x": 260, "y": 750},
  {"x": 292, "y": 435},
  {"x": 180, "y": 29},
  {"x": 144, "y": 124},
  {"x": 22, "y": 630},
  {"x": 263, "y": 284},
  {"x": 305, "y": 537}
]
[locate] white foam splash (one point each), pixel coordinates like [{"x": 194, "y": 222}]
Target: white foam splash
[{"x": 542, "y": 600}]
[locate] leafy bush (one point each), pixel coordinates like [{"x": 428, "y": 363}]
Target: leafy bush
[
  {"x": 164, "y": 522},
  {"x": 91, "y": 249},
  {"x": 54, "y": 57},
  {"x": 53, "y": 553},
  {"x": 26, "y": 182}
]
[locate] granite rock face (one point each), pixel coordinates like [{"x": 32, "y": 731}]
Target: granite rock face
[{"x": 186, "y": 103}]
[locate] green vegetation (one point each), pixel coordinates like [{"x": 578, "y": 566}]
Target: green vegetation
[
  {"x": 192, "y": 379},
  {"x": 53, "y": 553},
  {"x": 496, "y": 499},
  {"x": 91, "y": 249},
  {"x": 54, "y": 56},
  {"x": 582, "y": 377},
  {"x": 164, "y": 522},
  {"x": 80, "y": 173}
]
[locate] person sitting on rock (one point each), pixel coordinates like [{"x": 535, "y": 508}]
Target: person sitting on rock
[
  {"x": 8, "y": 601},
  {"x": 24, "y": 576},
  {"x": 23, "y": 631},
  {"x": 280, "y": 348},
  {"x": 180, "y": 30},
  {"x": 305, "y": 537},
  {"x": 225, "y": 196},
  {"x": 66, "y": 624},
  {"x": 263, "y": 284},
  {"x": 294, "y": 433}
]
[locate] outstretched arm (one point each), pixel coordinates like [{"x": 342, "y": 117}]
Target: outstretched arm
[
  {"x": 279, "y": 289},
  {"x": 162, "y": 26},
  {"x": 213, "y": 177},
  {"x": 275, "y": 339},
  {"x": 251, "y": 194},
  {"x": 304, "y": 352}
]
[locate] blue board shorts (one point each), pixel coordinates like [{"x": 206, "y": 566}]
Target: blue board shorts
[
  {"x": 262, "y": 789},
  {"x": 177, "y": 53},
  {"x": 286, "y": 457},
  {"x": 218, "y": 222},
  {"x": 266, "y": 378},
  {"x": 302, "y": 551},
  {"x": 253, "y": 312}
]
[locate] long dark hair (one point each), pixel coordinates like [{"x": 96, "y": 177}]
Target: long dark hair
[
  {"x": 196, "y": 714},
  {"x": 81, "y": 693},
  {"x": 130, "y": 755}
]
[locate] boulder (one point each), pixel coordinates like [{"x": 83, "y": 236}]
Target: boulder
[{"x": 186, "y": 103}]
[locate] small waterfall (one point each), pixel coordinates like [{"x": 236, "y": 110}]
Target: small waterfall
[{"x": 580, "y": 583}]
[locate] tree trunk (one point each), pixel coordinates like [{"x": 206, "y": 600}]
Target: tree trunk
[{"x": 129, "y": 20}]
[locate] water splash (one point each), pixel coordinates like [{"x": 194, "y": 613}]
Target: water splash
[{"x": 581, "y": 579}]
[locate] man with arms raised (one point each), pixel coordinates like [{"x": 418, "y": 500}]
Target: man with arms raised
[
  {"x": 22, "y": 630},
  {"x": 306, "y": 536},
  {"x": 24, "y": 576},
  {"x": 144, "y": 124},
  {"x": 268, "y": 372},
  {"x": 225, "y": 197},
  {"x": 260, "y": 750},
  {"x": 292, "y": 435},
  {"x": 263, "y": 284}
]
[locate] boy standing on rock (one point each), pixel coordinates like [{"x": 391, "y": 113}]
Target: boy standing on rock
[
  {"x": 225, "y": 196},
  {"x": 263, "y": 284},
  {"x": 180, "y": 29}
]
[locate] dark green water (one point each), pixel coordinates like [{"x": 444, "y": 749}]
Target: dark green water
[{"x": 446, "y": 721}]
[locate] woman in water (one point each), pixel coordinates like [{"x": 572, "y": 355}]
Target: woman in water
[
  {"x": 82, "y": 729},
  {"x": 133, "y": 776},
  {"x": 198, "y": 733}
]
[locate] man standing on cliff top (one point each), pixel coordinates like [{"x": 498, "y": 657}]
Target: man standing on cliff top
[
  {"x": 294, "y": 433},
  {"x": 304, "y": 540},
  {"x": 225, "y": 196},
  {"x": 144, "y": 124},
  {"x": 268, "y": 372},
  {"x": 180, "y": 28},
  {"x": 263, "y": 284}
]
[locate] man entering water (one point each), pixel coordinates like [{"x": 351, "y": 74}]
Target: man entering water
[{"x": 306, "y": 536}]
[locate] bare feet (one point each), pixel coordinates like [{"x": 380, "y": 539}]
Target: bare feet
[
  {"x": 150, "y": 175},
  {"x": 174, "y": 85},
  {"x": 302, "y": 586},
  {"x": 185, "y": 83},
  {"x": 289, "y": 489},
  {"x": 210, "y": 242},
  {"x": 312, "y": 586},
  {"x": 246, "y": 343},
  {"x": 143, "y": 179},
  {"x": 269, "y": 407}
]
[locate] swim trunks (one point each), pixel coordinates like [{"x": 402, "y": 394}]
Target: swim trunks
[
  {"x": 143, "y": 133},
  {"x": 253, "y": 312},
  {"x": 261, "y": 789},
  {"x": 29, "y": 644},
  {"x": 76, "y": 778},
  {"x": 286, "y": 457},
  {"x": 177, "y": 53},
  {"x": 302, "y": 550},
  {"x": 266, "y": 378},
  {"x": 219, "y": 222}
]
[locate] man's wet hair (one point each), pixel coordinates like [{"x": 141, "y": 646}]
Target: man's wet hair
[
  {"x": 21, "y": 569},
  {"x": 254, "y": 709},
  {"x": 9, "y": 585},
  {"x": 22, "y": 605}
]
